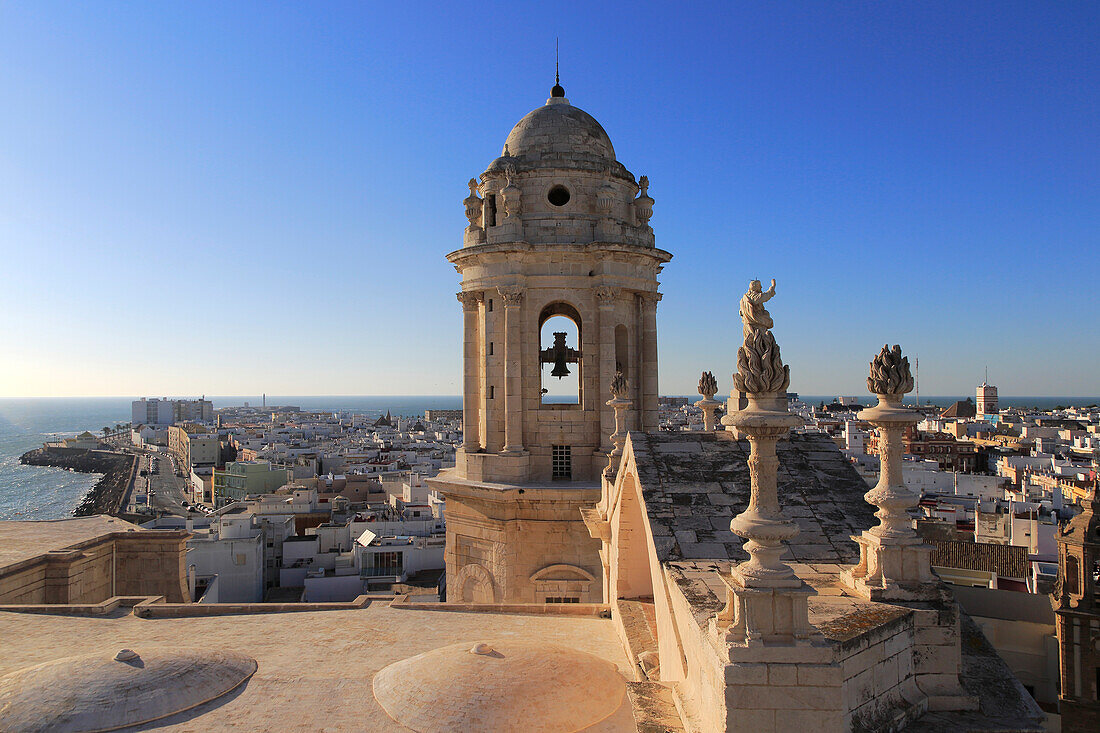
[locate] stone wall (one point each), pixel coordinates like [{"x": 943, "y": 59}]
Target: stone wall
[
  {"x": 119, "y": 563},
  {"x": 519, "y": 545},
  {"x": 879, "y": 682}
]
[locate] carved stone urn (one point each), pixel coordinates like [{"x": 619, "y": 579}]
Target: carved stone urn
[
  {"x": 894, "y": 561},
  {"x": 708, "y": 387}
]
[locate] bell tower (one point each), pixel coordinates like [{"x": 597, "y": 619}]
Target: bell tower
[
  {"x": 559, "y": 294},
  {"x": 1077, "y": 606}
]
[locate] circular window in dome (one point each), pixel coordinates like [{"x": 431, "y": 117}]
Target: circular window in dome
[{"x": 558, "y": 196}]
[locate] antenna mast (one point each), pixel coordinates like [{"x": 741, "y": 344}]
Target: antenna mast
[{"x": 916, "y": 367}]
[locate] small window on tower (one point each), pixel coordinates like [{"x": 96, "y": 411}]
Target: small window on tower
[
  {"x": 490, "y": 348},
  {"x": 1073, "y": 576},
  {"x": 561, "y": 460},
  {"x": 492, "y": 391},
  {"x": 558, "y": 196}
]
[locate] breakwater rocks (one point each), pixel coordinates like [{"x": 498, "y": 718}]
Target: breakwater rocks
[{"x": 109, "y": 492}]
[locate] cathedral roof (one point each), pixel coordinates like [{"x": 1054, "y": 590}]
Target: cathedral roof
[{"x": 695, "y": 483}]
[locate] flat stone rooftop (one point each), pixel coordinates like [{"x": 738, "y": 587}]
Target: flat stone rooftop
[
  {"x": 21, "y": 541},
  {"x": 315, "y": 670}
]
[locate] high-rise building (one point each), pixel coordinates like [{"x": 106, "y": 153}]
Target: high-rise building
[
  {"x": 166, "y": 412},
  {"x": 559, "y": 286},
  {"x": 987, "y": 399}
]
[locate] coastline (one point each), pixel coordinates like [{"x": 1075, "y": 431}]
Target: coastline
[{"x": 109, "y": 492}]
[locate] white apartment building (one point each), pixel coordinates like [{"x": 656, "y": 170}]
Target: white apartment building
[
  {"x": 229, "y": 553},
  {"x": 166, "y": 412}
]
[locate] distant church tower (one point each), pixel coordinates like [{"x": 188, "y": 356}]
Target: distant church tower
[
  {"x": 1077, "y": 605},
  {"x": 559, "y": 287}
]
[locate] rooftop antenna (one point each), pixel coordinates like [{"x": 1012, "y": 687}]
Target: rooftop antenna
[
  {"x": 916, "y": 369},
  {"x": 557, "y": 91}
]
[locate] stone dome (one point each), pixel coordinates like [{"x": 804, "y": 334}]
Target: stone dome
[
  {"x": 104, "y": 691},
  {"x": 503, "y": 686},
  {"x": 558, "y": 127}
]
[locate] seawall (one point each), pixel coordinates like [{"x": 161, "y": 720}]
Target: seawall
[{"x": 109, "y": 493}]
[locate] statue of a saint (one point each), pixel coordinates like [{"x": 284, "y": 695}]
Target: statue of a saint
[{"x": 753, "y": 313}]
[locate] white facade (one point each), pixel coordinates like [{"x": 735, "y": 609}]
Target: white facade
[
  {"x": 166, "y": 412},
  {"x": 233, "y": 550}
]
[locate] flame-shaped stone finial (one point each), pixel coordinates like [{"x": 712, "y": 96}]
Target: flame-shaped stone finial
[{"x": 890, "y": 374}]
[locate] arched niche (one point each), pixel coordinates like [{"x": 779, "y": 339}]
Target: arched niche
[
  {"x": 561, "y": 583},
  {"x": 560, "y": 351},
  {"x": 622, "y": 350},
  {"x": 474, "y": 584}
]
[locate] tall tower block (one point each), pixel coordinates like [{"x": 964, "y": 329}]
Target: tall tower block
[
  {"x": 559, "y": 287},
  {"x": 987, "y": 399}
]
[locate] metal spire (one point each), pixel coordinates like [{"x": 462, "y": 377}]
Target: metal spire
[{"x": 558, "y": 90}]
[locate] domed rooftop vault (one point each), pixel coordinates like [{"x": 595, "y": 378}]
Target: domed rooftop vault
[
  {"x": 98, "y": 692},
  {"x": 507, "y": 687},
  {"x": 559, "y": 135}
]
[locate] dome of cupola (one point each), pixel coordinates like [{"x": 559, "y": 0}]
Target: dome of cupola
[
  {"x": 559, "y": 135},
  {"x": 558, "y": 127}
]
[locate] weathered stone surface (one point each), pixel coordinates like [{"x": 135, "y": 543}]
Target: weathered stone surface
[{"x": 689, "y": 479}]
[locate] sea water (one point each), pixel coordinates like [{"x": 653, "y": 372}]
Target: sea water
[{"x": 36, "y": 492}]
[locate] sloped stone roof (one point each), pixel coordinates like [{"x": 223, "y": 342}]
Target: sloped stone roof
[{"x": 693, "y": 484}]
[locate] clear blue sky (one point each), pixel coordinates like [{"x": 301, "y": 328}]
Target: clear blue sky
[{"x": 230, "y": 198}]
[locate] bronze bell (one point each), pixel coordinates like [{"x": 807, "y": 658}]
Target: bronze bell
[
  {"x": 561, "y": 355},
  {"x": 560, "y": 369}
]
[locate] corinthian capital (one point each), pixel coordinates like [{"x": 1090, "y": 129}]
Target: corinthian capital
[
  {"x": 512, "y": 294},
  {"x": 650, "y": 300},
  {"x": 605, "y": 295},
  {"x": 470, "y": 299}
]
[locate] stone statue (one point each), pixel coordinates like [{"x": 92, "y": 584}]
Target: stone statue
[
  {"x": 753, "y": 313},
  {"x": 760, "y": 370},
  {"x": 890, "y": 373}
]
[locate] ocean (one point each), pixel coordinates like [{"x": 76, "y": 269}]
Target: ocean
[{"x": 32, "y": 492}]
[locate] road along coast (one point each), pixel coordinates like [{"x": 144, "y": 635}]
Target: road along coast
[{"x": 109, "y": 493}]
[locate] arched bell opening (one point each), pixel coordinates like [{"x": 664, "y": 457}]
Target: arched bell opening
[{"x": 560, "y": 355}]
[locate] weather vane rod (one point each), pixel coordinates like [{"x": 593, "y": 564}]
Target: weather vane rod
[{"x": 557, "y": 77}]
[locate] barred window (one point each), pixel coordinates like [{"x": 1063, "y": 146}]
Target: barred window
[{"x": 561, "y": 461}]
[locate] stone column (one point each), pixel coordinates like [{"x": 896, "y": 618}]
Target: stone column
[
  {"x": 513, "y": 368},
  {"x": 620, "y": 403},
  {"x": 766, "y": 602},
  {"x": 648, "y": 408},
  {"x": 894, "y": 563},
  {"x": 471, "y": 308},
  {"x": 605, "y": 298}
]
